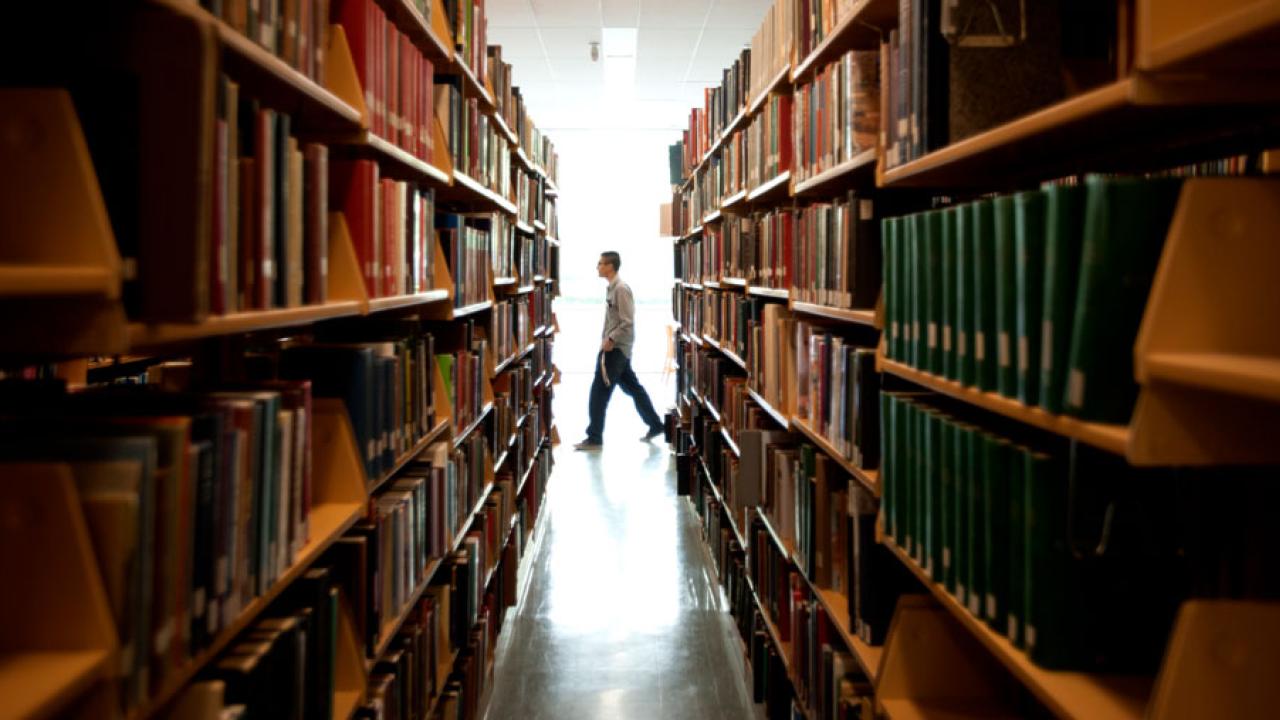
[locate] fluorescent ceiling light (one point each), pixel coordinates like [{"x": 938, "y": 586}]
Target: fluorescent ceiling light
[{"x": 618, "y": 41}]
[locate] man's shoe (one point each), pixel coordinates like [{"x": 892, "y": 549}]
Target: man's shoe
[
  {"x": 587, "y": 445},
  {"x": 653, "y": 433}
]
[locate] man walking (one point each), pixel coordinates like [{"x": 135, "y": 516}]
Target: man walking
[{"x": 613, "y": 364}]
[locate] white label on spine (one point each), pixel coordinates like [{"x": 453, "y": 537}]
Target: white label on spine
[
  {"x": 1046, "y": 345},
  {"x": 991, "y": 605},
  {"x": 979, "y": 346},
  {"x": 866, "y": 209},
  {"x": 962, "y": 343},
  {"x": 946, "y": 557},
  {"x": 933, "y": 335},
  {"x": 1075, "y": 388},
  {"x": 1002, "y": 350},
  {"x": 946, "y": 338},
  {"x": 1024, "y": 354}
]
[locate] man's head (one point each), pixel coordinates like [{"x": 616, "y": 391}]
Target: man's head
[{"x": 608, "y": 265}]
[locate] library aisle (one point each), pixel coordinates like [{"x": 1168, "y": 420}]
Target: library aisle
[{"x": 620, "y": 614}]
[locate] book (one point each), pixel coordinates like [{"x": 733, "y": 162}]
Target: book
[
  {"x": 1006, "y": 296},
  {"x": 1029, "y": 264},
  {"x": 1064, "y": 223}
]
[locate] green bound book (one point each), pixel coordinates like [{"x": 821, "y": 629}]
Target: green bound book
[
  {"x": 1124, "y": 229},
  {"x": 1064, "y": 230},
  {"x": 984, "y": 295},
  {"x": 964, "y": 290},
  {"x": 995, "y": 545},
  {"x": 891, "y": 285},
  {"x": 934, "y": 423},
  {"x": 976, "y": 529},
  {"x": 888, "y": 468},
  {"x": 916, "y": 229},
  {"x": 1006, "y": 295},
  {"x": 1016, "y": 596},
  {"x": 902, "y": 295},
  {"x": 1028, "y": 213},
  {"x": 933, "y": 290},
  {"x": 904, "y": 458},
  {"x": 947, "y": 279},
  {"x": 916, "y": 457},
  {"x": 960, "y": 513},
  {"x": 1048, "y": 627},
  {"x": 946, "y": 504}
]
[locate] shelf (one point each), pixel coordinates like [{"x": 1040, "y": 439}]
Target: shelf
[
  {"x": 484, "y": 412},
  {"x": 692, "y": 339},
  {"x": 539, "y": 226},
  {"x": 389, "y": 151},
  {"x": 733, "y": 200},
  {"x": 524, "y": 227},
  {"x": 404, "y": 301},
  {"x": 472, "y": 87},
  {"x": 869, "y": 478},
  {"x": 553, "y": 242},
  {"x": 715, "y": 490},
  {"x": 1112, "y": 438},
  {"x": 837, "y": 607},
  {"x": 1113, "y": 127},
  {"x": 784, "y": 648},
  {"x": 465, "y": 526},
  {"x": 472, "y": 309},
  {"x": 711, "y": 409},
  {"x": 733, "y": 446},
  {"x": 713, "y": 216},
  {"x": 507, "y": 363},
  {"x": 776, "y": 293},
  {"x": 725, "y": 351},
  {"x": 778, "y": 417},
  {"x": 505, "y": 281},
  {"x": 860, "y": 29},
  {"x": 1188, "y": 36},
  {"x": 1243, "y": 375},
  {"x": 345, "y": 704},
  {"x": 143, "y": 335},
  {"x": 734, "y": 282},
  {"x": 782, "y": 78},
  {"x": 524, "y": 477},
  {"x": 695, "y": 230},
  {"x": 856, "y": 172},
  {"x": 949, "y": 709},
  {"x": 424, "y": 35},
  {"x": 467, "y": 189},
  {"x": 503, "y": 128},
  {"x": 860, "y": 317},
  {"x": 770, "y": 188},
  {"x": 408, "y": 457},
  {"x": 328, "y": 522},
  {"x": 41, "y": 683},
  {"x": 391, "y": 626},
  {"x": 1066, "y": 694},
  {"x": 713, "y": 284},
  {"x": 17, "y": 281}
]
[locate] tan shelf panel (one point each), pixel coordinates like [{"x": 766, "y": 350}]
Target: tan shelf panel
[
  {"x": 837, "y": 607},
  {"x": 505, "y": 281},
  {"x": 776, "y": 293},
  {"x": 783, "y": 78},
  {"x": 1112, "y": 438},
  {"x": 905, "y": 709},
  {"x": 715, "y": 490},
  {"x": 58, "y": 280},
  {"x": 471, "y": 309},
  {"x": 713, "y": 216},
  {"x": 40, "y": 683},
  {"x": 508, "y": 362},
  {"x": 386, "y": 150},
  {"x": 728, "y": 440},
  {"x": 408, "y": 457},
  {"x": 857, "y": 171},
  {"x": 860, "y": 317},
  {"x": 345, "y": 704},
  {"x": 733, "y": 357},
  {"x": 403, "y": 301},
  {"x": 472, "y": 86},
  {"x": 860, "y": 29},
  {"x": 142, "y": 335},
  {"x": 769, "y": 189},
  {"x": 733, "y": 200},
  {"x": 1066, "y": 694},
  {"x": 1187, "y": 35},
  {"x": 778, "y": 417},
  {"x": 869, "y": 478},
  {"x": 467, "y": 189},
  {"x": 1243, "y": 375},
  {"x": 328, "y": 522},
  {"x": 524, "y": 160},
  {"x": 477, "y": 422}
]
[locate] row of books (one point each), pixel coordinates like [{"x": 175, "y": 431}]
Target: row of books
[
  {"x": 510, "y": 105},
  {"x": 727, "y": 318},
  {"x": 772, "y": 46},
  {"x": 511, "y": 327},
  {"x": 387, "y": 387},
  {"x": 734, "y": 158},
  {"x": 467, "y": 241},
  {"x": 528, "y": 194},
  {"x": 465, "y": 372},
  {"x": 296, "y": 32},
  {"x": 771, "y": 357},
  {"x": 269, "y": 200},
  {"x": 468, "y": 22},
  {"x": 817, "y": 20},
  {"x": 775, "y": 238},
  {"x": 1037, "y": 296},
  {"x": 838, "y": 392},
  {"x": 513, "y": 400},
  {"x": 542, "y": 298},
  {"x": 1075, "y": 557},
  {"x": 392, "y": 226},
  {"x": 836, "y": 260},
  {"x": 396, "y": 77},
  {"x": 936, "y": 67},
  {"x": 724, "y": 103},
  {"x": 837, "y": 113},
  {"x": 416, "y": 672},
  {"x": 476, "y": 147},
  {"x": 769, "y": 141},
  {"x": 532, "y": 255},
  {"x": 197, "y": 502}
]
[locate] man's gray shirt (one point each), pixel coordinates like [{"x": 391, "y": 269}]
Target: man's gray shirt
[{"x": 620, "y": 316}]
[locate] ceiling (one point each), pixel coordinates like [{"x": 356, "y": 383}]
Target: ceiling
[{"x": 682, "y": 46}]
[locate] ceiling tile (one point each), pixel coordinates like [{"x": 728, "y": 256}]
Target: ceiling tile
[
  {"x": 570, "y": 42},
  {"x": 673, "y": 14},
  {"x": 509, "y": 13},
  {"x": 620, "y": 13},
  {"x": 739, "y": 15},
  {"x": 567, "y": 13},
  {"x": 669, "y": 42}
]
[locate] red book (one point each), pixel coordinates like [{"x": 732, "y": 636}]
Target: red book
[
  {"x": 394, "y": 117},
  {"x": 356, "y": 19},
  {"x": 784, "y": 133},
  {"x": 354, "y": 190},
  {"x": 389, "y": 214},
  {"x": 218, "y": 265},
  {"x": 248, "y": 234},
  {"x": 428, "y": 103}
]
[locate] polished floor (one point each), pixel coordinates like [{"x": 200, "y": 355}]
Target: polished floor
[{"x": 620, "y": 615}]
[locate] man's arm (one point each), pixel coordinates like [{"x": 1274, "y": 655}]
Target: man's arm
[{"x": 626, "y": 307}]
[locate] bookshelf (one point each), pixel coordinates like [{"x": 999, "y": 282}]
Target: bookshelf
[
  {"x": 68, "y": 286},
  {"x": 1207, "y": 380}
]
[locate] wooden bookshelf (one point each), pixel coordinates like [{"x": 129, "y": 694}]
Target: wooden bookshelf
[
  {"x": 539, "y": 226},
  {"x": 856, "y": 172},
  {"x": 1176, "y": 35},
  {"x": 1066, "y": 694},
  {"x": 777, "y": 416},
  {"x": 860, "y": 29},
  {"x": 734, "y": 282},
  {"x": 472, "y": 87},
  {"x": 775, "y": 293},
  {"x": 41, "y": 683},
  {"x": 857, "y": 317},
  {"x": 505, "y": 282},
  {"x": 524, "y": 227},
  {"x": 472, "y": 309},
  {"x": 31, "y": 280},
  {"x": 433, "y": 38},
  {"x": 404, "y": 301},
  {"x": 1112, "y": 438},
  {"x": 733, "y": 201},
  {"x": 468, "y": 190},
  {"x": 837, "y": 607},
  {"x": 434, "y": 434},
  {"x": 779, "y": 81},
  {"x": 143, "y": 335},
  {"x": 771, "y": 189},
  {"x": 729, "y": 443},
  {"x": 501, "y": 123},
  {"x": 711, "y": 217},
  {"x": 869, "y": 478},
  {"x": 471, "y": 427},
  {"x": 391, "y": 626},
  {"x": 404, "y": 162}
]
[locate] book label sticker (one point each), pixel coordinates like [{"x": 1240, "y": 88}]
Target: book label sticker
[
  {"x": 1046, "y": 345},
  {"x": 979, "y": 346},
  {"x": 946, "y": 338},
  {"x": 932, "y": 339},
  {"x": 1024, "y": 354},
  {"x": 962, "y": 343},
  {"x": 1075, "y": 388},
  {"x": 1002, "y": 350}
]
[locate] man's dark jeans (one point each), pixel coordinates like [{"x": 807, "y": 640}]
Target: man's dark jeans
[{"x": 617, "y": 372}]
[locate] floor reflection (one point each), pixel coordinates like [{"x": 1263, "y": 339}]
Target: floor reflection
[{"x": 622, "y": 616}]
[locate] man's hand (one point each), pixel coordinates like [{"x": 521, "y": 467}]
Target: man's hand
[{"x": 607, "y": 345}]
